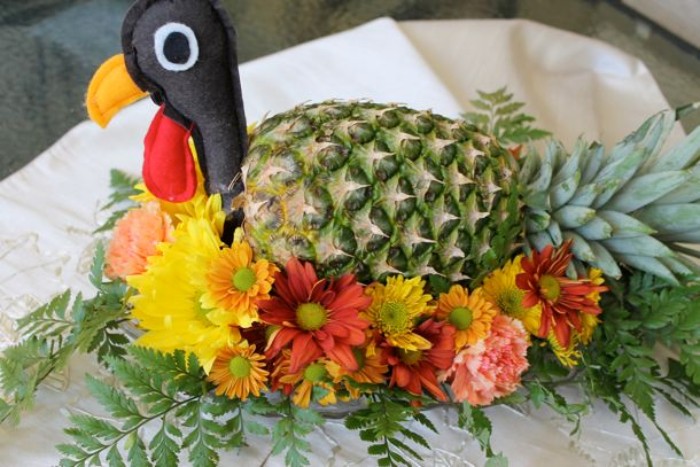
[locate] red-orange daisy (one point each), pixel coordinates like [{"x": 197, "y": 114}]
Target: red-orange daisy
[
  {"x": 562, "y": 299},
  {"x": 315, "y": 316},
  {"x": 415, "y": 370}
]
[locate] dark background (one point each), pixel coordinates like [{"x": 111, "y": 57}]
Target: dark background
[{"x": 50, "y": 48}]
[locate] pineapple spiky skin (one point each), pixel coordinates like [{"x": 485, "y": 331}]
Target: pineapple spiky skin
[{"x": 379, "y": 189}]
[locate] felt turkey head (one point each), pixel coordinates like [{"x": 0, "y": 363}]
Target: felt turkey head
[{"x": 183, "y": 53}]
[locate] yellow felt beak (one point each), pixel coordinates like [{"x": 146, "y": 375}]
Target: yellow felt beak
[{"x": 110, "y": 89}]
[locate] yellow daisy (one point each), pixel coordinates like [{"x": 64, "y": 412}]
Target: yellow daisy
[
  {"x": 500, "y": 288},
  {"x": 470, "y": 314},
  {"x": 235, "y": 282},
  {"x": 588, "y": 324},
  {"x": 169, "y": 304},
  {"x": 395, "y": 308},
  {"x": 238, "y": 371}
]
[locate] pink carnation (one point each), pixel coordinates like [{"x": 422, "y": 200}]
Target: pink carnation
[
  {"x": 136, "y": 237},
  {"x": 492, "y": 367}
]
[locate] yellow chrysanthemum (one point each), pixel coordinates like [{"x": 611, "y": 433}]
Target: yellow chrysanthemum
[
  {"x": 500, "y": 288},
  {"x": 168, "y": 305},
  {"x": 201, "y": 206},
  {"x": 395, "y": 308},
  {"x": 596, "y": 277},
  {"x": 588, "y": 324},
  {"x": 234, "y": 282},
  {"x": 238, "y": 371},
  {"x": 470, "y": 314},
  {"x": 568, "y": 356}
]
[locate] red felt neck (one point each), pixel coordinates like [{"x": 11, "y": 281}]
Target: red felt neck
[{"x": 168, "y": 165}]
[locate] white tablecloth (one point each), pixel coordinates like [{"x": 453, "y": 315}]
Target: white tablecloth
[{"x": 572, "y": 84}]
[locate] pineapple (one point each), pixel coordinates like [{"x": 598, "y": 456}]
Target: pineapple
[{"x": 382, "y": 189}]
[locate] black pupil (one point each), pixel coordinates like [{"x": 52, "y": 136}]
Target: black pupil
[{"x": 176, "y": 48}]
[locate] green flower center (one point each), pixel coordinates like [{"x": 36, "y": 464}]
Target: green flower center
[
  {"x": 315, "y": 372},
  {"x": 243, "y": 279},
  {"x": 393, "y": 317},
  {"x": 410, "y": 357},
  {"x": 549, "y": 287},
  {"x": 239, "y": 366},
  {"x": 461, "y": 318},
  {"x": 311, "y": 316},
  {"x": 511, "y": 302}
]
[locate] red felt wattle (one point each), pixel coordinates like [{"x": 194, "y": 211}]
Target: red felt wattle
[{"x": 168, "y": 164}]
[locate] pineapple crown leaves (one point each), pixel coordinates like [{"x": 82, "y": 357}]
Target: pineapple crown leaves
[
  {"x": 52, "y": 333},
  {"x": 632, "y": 205}
]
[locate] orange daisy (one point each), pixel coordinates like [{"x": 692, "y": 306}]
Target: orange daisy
[
  {"x": 563, "y": 300},
  {"x": 372, "y": 369},
  {"x": 470, "y": 314},
  {"x": 238, "y": 371},
  {"x": 235, "y": 282},
  {"x": 415, "y": 370},
  {"x": 301, "y": 384},
  {"x": 317, "y": 317}
]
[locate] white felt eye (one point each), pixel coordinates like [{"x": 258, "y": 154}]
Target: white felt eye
[{"x": 176, "y": 47}]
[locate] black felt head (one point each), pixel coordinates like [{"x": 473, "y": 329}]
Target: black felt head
[{"x": 184, "y": 53}]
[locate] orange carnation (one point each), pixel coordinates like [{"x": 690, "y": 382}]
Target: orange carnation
[{"x": 136, "y": 237}]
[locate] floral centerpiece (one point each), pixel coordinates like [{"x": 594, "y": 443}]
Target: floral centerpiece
[
  {"x": 364, "y": 254},
  {"x": 200, "y": 334}
]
